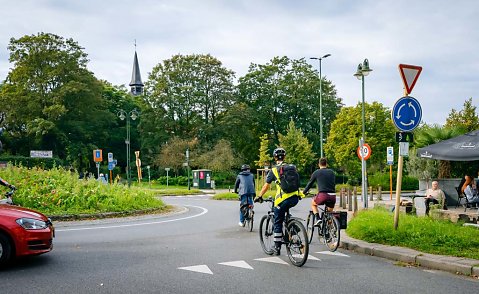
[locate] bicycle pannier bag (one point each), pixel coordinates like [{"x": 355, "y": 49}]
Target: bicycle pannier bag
[{"x": 289, "y": 178}]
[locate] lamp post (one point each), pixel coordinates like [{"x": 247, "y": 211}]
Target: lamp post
[
  {"x": 362, "y": 71},
  {"x": 321, "y": 102},
  {"x": 122, "y": 114}
]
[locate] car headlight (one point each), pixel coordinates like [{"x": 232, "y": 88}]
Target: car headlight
[{"x": 31, "y": 224}]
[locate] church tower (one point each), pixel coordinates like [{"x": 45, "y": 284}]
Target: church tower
[{"x": 136, "y": 85}]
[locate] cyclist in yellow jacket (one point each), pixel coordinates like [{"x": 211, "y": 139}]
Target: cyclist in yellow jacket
[{"x": 283, "y": 201}]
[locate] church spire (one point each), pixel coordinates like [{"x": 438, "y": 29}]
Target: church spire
[{"x": 136, "y": 85}]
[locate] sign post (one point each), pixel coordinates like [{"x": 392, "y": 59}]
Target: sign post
[
  {"x": 390, "y": 161},
  {"x": 167, "y": 170},
  {"x": 406, "y": 115},
  {"x": 97, "y": 158}
]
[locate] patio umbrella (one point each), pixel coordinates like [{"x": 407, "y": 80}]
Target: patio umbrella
[{"x": 461, "y": 148}]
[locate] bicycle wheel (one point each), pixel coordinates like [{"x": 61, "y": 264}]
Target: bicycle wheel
[
  {"x": 310, "y": 226},
  {"x": 251, "y": 218},
  {"x": 266, "y": 234},
  {"x": 297, "y": 246},
  {"x": 332, "y": 233}
]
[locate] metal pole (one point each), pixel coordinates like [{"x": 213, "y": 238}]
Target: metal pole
[
  {"x": 128, "y": 171},
  {"x": 363, "y": 162},
  {"x": 320, "y": 109}
]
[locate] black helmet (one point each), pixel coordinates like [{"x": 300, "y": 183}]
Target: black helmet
[
  {"x": 279, "y": 153},
  {"x": 244, "y": 167}
]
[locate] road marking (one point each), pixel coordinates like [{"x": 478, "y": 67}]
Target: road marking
[
  {"x": 333, "y": 253},
  {"x": 310, "y": 257},
  {"x": 239, "y": 263},
  {"x": 273, "y": 260},
  {"x": 198, "y": 268},
  {"x": 204, "y": 210}
]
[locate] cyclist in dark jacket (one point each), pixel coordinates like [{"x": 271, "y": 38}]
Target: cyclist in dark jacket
[
  {"x": 245, "y": 188},
  {"x": 325, "y": 181}
]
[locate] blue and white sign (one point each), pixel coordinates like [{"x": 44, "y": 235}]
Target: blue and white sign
[
  {"x": 390, "y": 155},
  {"x": 406, "y": 113},
  {"x": 111, "y": 165}
]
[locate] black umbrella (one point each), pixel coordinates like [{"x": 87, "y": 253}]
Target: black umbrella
[{"x": 461, "y": 148}]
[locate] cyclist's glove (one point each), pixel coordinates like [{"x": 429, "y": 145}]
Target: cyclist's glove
[
  {"x": 12, "y": 187},
  {"x": 258, "y": 199}
]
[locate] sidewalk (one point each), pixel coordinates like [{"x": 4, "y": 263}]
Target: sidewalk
[{"x": 455, "y": 265}]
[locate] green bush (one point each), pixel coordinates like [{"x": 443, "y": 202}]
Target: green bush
[
  {"x": 58, "y": 191},
  {"x": 382, "y": 179},
  {"x": 44, "y": 163}
]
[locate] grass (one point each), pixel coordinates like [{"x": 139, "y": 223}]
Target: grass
[
  {"x": 420, "y": 233},
  {"x": 234, "y": 196}
]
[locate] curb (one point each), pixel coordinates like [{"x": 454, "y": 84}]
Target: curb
[{"x": 455, "y": 265}]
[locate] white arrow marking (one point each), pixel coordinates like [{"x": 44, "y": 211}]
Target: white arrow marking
[
  {"x": 273, "y": 260},
  {"x": 198, "y": 268},
  {"x": 415, "y": 111},
  {"x": 239, "y": 263},
  {"x": 333, "y": 253},
  {"x": 408, "y": 124},
  {"x": 398, "y": 116}
]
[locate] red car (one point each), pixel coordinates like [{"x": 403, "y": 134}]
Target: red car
[{"x": 23, "y": 232}]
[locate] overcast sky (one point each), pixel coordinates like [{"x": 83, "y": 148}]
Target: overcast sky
[{"x": 442, "y": 36}]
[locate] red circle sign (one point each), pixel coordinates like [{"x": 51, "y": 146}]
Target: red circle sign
[{"x": 366, "y": 151}]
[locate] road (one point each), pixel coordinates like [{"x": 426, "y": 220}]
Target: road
[{"x": 201, "y": 249}]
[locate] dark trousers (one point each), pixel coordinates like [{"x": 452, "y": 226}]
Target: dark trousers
[
  {"x": 279, "y": 214},
  {"x": 246, "y": 199},
  {"x": 428, "y": 201}
]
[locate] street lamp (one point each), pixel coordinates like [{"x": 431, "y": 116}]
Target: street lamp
[
  {"x": 362, "y": 71},
  {"x": 122, "y": 114},
  {"x": 320, "y": 102}
]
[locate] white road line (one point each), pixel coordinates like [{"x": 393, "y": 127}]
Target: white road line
[
  {"x": 198, "y": 268},
  {"x": 333, "y": 253},
  {"x": 239, "y": 263},
  {"x": 204, "y": 210},
  {"x": 273, "y": 260}
]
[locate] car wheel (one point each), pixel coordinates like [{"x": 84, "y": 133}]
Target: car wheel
[{"x": 5, "y": 249}]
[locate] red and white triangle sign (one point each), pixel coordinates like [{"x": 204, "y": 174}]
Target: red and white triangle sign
[{"x": 409, "y": 75}]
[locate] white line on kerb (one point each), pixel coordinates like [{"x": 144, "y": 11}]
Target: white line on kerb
[{"x": 204, "y": 210}]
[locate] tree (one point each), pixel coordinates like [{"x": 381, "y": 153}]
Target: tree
[
  {"x": 264, "y": 155},
  {"x": 189, "y": 92},
  {"x": 284, "y": 90},
  {"x": 221, "y": 158},
  {"x": 173, "y": 154},
  {"x": 298, "y": 149},
  {"x": 50, "y": 100},
  {"x": 427, "y": 135},
  {"x": 343, "y": 139},
  {"x": 466, "y": 118}
]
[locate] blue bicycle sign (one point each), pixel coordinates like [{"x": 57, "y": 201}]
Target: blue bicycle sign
[{"x": 406, "y": 113}]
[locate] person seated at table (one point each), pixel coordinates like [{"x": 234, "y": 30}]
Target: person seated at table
[
  {"x": 434, "y": 195},
  {"x": 470, "y": 190}
]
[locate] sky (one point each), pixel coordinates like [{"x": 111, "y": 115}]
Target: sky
[{"x": 440, "y": 36}]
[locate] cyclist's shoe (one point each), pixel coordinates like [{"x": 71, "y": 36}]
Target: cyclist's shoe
[
  {"x": 241, "y": 224},
  {"x": 276, "y": 250}
]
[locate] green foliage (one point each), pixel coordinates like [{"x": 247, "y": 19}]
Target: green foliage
[
  {"x": 298, "y": 149},
  {"x": 226, "y": 196},
  {"x": 221, "y": 158},
  {"x": 421, "y": 233},
  {"x": 408, "y": 183},
  {"x": 50, "y": 100},
  {"x": 466, "y": 118},
  {"x": 59, "y": 192},
  {"x": 346, "y": 130},
  {"x": 44, "y": 163},
  {"x": 265, "y": 157}
]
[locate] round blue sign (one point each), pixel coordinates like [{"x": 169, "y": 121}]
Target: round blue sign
[{"x": 406, "y": 113}]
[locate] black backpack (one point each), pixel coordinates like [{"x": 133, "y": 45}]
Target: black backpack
[{"x": 288, "y": 178}]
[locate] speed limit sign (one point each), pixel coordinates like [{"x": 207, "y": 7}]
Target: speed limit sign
[{"x": 366, "y": 151}]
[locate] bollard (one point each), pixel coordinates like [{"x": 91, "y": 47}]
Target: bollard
[
  {"x": 355, "y": 199},
  {"x": 371, "y": 194},
  {"x": 343, "y": 206},
  {"x": 380, "y": 193},
  {"x": 341, "y": 197},
  {"x": 350, "y": 200}
]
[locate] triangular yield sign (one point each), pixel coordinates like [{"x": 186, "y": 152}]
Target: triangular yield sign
[{"x": 409, "y": 75}]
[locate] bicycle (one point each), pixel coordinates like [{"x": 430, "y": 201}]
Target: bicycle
[
  {"x": 295, "y": 237},
  {"x": 248, "y": 214},
  {"x": 8, "y": 197},
  {"x": 329, "y": 229}
]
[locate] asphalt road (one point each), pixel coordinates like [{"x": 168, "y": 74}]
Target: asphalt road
[{"x": 201, "y": 249}]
